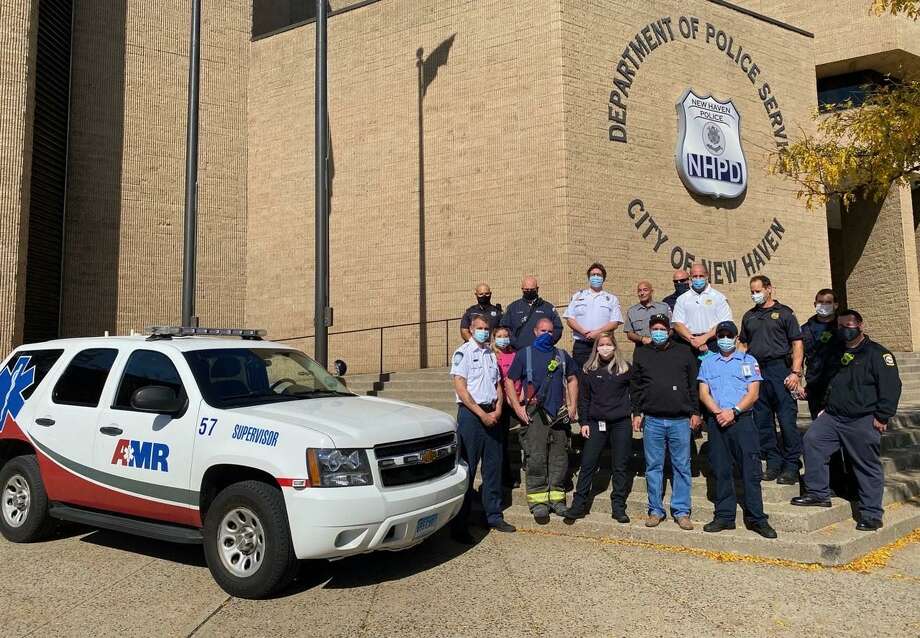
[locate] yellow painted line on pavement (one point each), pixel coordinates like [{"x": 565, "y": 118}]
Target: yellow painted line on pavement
[{"x": 869, "y": 562}]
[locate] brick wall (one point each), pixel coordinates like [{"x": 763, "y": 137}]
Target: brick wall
[
  {"x": 17, "y": 84},
  {"x": 123, "y": 257}
]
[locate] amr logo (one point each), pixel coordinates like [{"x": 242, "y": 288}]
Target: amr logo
[{"x": 141, "y": 454}]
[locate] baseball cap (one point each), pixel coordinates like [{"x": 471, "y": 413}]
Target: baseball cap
[
  {"x": 659, "y": 318},
  {"x": 727, "y": 326}
]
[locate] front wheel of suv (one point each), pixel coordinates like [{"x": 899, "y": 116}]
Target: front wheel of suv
[
  {"x": 23, "y": 501},
  {"x": 247, "y": 540}
]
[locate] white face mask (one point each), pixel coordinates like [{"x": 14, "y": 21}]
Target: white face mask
[
  {"x": 824, "y": 309},
  {"x": 605, "y": 351},
  {"x": 758, "y": 297}
]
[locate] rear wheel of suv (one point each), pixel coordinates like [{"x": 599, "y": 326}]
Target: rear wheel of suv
[
  {"x": 23, "y": 501},
  {"x": 247, "y": 540}
]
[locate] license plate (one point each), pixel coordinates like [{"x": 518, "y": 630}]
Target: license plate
[{"x": 425, "y": 525}]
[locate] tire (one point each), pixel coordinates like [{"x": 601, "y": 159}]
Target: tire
[
  {"x": 23, "y": 501},
  {"x": 247, "y": 540}
]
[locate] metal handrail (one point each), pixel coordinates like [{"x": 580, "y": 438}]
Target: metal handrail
[{"x": 381, "y": 329}]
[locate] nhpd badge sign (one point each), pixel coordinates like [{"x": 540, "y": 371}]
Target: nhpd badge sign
[{"x": 709, "y": 156}]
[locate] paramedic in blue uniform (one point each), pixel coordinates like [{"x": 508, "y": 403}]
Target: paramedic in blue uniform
[
  {"x": 484, "y": 308},
  {"x": 729, "y": 384},
  {"x": 521, "y": 316},
  {"x": 477, "y": 383},
  {"x": 862, "y": 397},
  {"x": 773, "y": 336},
  {"x": 592, "y": 311}
]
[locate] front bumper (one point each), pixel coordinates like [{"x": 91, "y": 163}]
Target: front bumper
[{"x": 339, "y": 522}]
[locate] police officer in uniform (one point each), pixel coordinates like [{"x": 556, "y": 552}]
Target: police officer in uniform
[
  {"x": 637, "y": 316},
  {"x": 729, "y": 384},
  {"x": 592, "y": 311},
  {"x": 773, "y": 337},
  {"x": 484, "y": 308},
  {"x": 549, "y": 378},
  {"x": 522, "y": 315},
  {"x": 698, "y": 311},
  {"x": 822, "y": 349},
  {"x": 477, "y": 383},
  {"x": 862, "y": 396}
]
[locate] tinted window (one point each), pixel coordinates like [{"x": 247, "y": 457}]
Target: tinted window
[
  {"x": 835, "y": 91},
  {"x": 232, "y": 377},
  {"x": 26, "y": 369},
  {"x": 146, "y": 367},
  {"x": 272, "y": 15},
  {"x": 83, "y": 380}
]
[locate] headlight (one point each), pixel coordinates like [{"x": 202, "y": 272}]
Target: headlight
[{"x": 332, "y": 467}]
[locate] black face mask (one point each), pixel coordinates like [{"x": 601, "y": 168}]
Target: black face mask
[
  {"x": 849, "y": 334},
  {"x": 484, "y": 300},
  {"x": 530, "y": 295},
  {"x": 680, "y": 287}
]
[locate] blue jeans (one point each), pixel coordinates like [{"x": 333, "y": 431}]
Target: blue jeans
[{"x": 674, "y": 435}]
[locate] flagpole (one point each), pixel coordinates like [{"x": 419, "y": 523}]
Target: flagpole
[
  {"x": 321, "y": 318},
  {"x": 191, "y": 172}
]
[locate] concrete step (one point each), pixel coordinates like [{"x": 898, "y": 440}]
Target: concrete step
[{"x": 835, "y": 544}]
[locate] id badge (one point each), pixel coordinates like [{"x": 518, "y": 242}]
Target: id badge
[
  {"x": 602, "y": 426},
  {"x": 746, "y": 370}
]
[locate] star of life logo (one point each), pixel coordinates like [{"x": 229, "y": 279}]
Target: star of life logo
[
  {"x": 12, "y": 384},
  {"x": 709, "y": 157},
  {"x": 144, "y": 455}
]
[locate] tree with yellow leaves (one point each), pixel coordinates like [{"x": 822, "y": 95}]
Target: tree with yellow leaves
[{"x": 861, "y": 151}]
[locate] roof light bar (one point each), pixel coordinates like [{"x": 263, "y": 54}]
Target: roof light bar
[{"x": 188, "y": 331}]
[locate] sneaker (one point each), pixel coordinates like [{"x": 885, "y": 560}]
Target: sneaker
[
  {"x": 683, "y": 522},
  {"x": 653, "y": 520}
]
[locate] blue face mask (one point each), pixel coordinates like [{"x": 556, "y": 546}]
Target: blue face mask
[
  {"x": 726, "y": 344},
  {"x": 596, "y": 281},
  {"x": 659, "y": 336},
  {"x": 502, "y": 342},
  {"x": 544, "y": 343},
  {"x": 481, "y": 335},
  {"x": 698, "y": 285}
]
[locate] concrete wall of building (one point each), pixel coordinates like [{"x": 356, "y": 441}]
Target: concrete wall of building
[
  {"x": 18, "y": 29},
  {"x": 125, "y": 208},
  {"x": 603, "y": 177},
  {"x": 493, "y": 171}
]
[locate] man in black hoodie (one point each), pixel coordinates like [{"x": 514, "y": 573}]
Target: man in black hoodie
[{"x": 665, "y": 401}]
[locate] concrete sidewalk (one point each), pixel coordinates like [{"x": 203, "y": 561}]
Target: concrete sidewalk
[{"x": 525, "y": 584}]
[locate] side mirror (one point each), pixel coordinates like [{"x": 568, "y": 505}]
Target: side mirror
[
  {"x": 157, "y": 399},
  {"x": 340, "y": 368}
]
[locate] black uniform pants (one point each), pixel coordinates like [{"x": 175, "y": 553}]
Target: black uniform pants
[
  {"x": 861, "y": 443},
  {"x": 480, "y": 443},
  {"x": 619, "y": 435},
  {"x": 738, "y": 444},
  {"x": 842, "y": 481},
  {"x": 775, "y": 399},
  {"x": 581, "y": 351}
]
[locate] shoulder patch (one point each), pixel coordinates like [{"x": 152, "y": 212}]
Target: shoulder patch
[
  {"x": 774, "y": 315},
  {"x": 458, "y": 357},
  {"x": 888, "y": 358}
]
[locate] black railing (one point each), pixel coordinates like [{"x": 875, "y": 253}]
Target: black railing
[{"x": 380, "y": 334}]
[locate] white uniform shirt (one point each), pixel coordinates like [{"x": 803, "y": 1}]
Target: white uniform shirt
[
  {"x": 593, "y": 309},
  {"x": 701, "y": 312},
  {"x": 478, "y": 366}
]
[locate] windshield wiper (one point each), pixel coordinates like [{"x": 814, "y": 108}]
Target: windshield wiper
[{"x": 321, "y": 393}]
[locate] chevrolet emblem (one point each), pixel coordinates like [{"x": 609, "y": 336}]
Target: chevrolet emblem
[{"x": 429, "y": 456}]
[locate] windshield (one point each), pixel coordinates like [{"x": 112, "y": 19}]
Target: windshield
[{"x": 235, "y": 377}]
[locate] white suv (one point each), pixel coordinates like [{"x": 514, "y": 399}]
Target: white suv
[{"x": 247, "y": 446}]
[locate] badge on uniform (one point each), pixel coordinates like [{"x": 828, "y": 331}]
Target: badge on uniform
[
  {"x": 846, "y": 358},
  {"x": 458, "y": 357},
  {"x": 889, "y": 360},
  {"x": 774, "y": 315},
  {"x": 707, "y": 302},
  {"x": 746, "y": 370},
  {"x": 602, "y": 426},
  {"x": 825, "y": 336}
]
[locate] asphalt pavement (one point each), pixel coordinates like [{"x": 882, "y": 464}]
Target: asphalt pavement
[{"x": 96, "y": 583}]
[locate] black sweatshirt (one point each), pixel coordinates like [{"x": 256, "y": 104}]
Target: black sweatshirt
[
  {"x": 603, "y": 396},
  {"x": 865, "y": 381},
  {"x": 664, "y": 381}
]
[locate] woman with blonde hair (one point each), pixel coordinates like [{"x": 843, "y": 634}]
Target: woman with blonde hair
[{"x": 604, "y": 408}]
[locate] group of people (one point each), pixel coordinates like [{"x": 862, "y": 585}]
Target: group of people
[{"x": 692, "y": 367}]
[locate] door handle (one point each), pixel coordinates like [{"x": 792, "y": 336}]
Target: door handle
[
  {"x": 111, "y": 430},
  {"x": 44, "y": 421}
]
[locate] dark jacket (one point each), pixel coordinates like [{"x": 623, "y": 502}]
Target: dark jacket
[
  {"x": 822, "y": 348},
  {"x": 664, "y": 381},
  {"x": 603, "y": 396},
  {"x": 520, "y": 318},
  {"x": 865, "y": 381}
]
